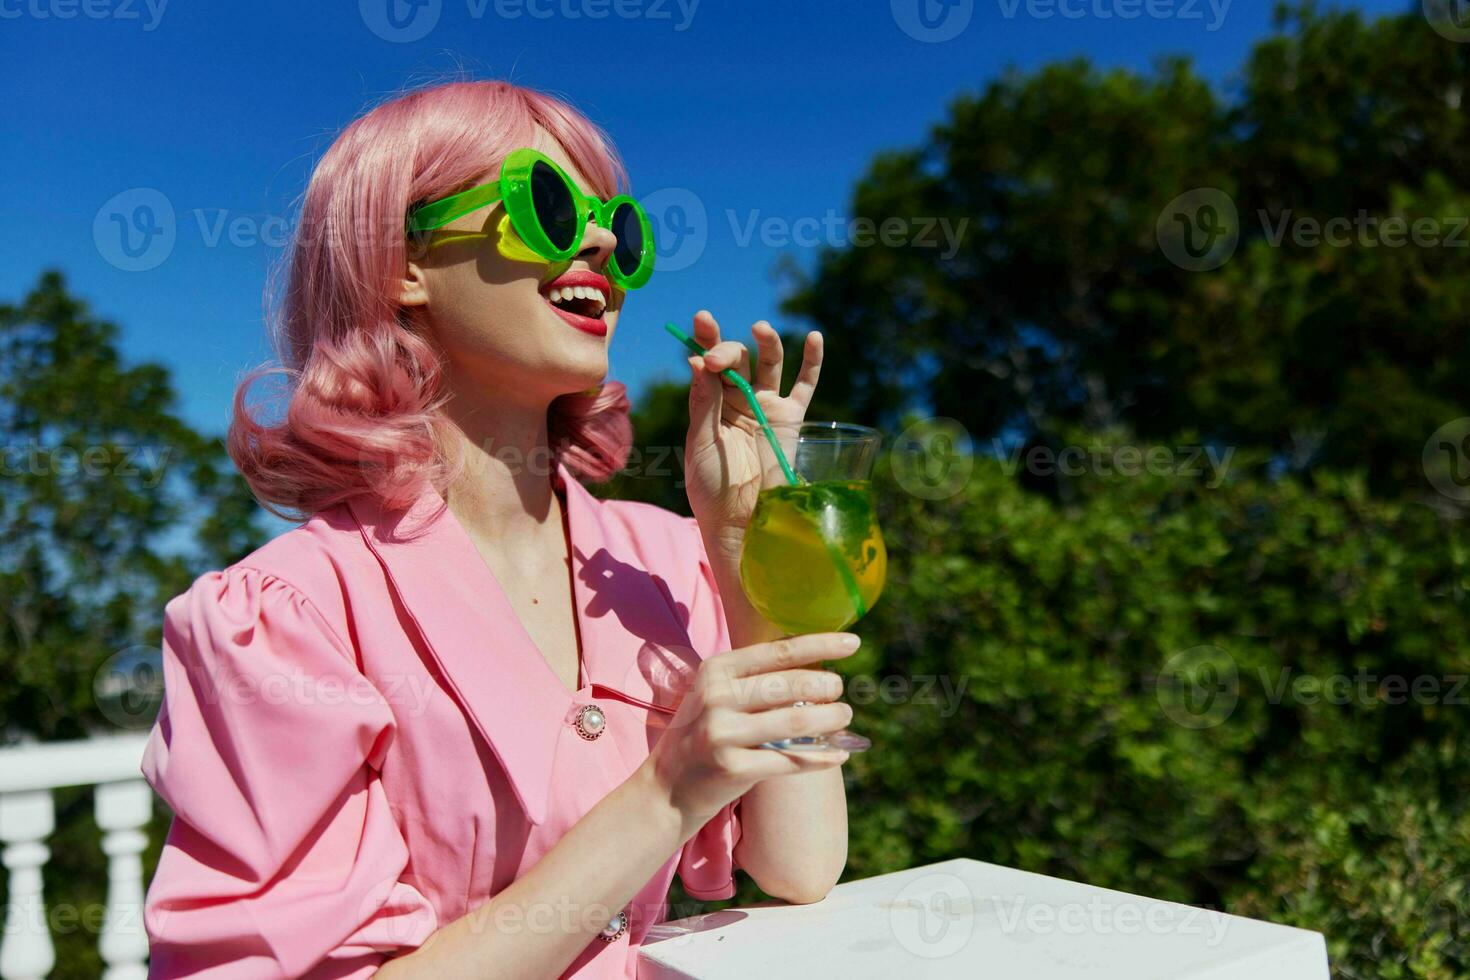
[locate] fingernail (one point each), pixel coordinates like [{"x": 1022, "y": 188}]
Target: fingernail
[{"x": 850, "y": 641}]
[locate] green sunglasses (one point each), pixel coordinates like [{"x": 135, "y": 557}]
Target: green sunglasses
[{"x": 549, "y": 212}]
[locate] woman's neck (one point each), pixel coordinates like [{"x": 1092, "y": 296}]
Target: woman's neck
[{"x": 504, "y": 491}]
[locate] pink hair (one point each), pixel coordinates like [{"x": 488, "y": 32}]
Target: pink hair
[{"x": 364, "y": 408}]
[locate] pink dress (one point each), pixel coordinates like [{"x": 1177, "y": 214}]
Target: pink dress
[{"x": 360, "y": 742}]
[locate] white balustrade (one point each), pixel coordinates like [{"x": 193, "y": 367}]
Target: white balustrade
[{"x": 123, "y": 804}]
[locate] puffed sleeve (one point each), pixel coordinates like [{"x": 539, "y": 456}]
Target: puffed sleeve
[
  {"x": 707, "y": 863},
  {"x": 283, "y": 858}
]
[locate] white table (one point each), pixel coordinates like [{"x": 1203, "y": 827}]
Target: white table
[{"x": 969, "y": 919}]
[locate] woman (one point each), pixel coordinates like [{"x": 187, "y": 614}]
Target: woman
[{"x": 467, "y": 719}]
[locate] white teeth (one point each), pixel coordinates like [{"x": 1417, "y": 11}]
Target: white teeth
[{"x": 566, "y": 294}]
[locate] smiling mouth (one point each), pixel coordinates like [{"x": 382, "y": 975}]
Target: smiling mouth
[
  {"x": 579, "y": 299},
  {"x": 585, "y": 301}
]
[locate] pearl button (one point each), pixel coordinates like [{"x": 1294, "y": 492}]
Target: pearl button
[
  {"x": 615, "y": 928},
  {"x": 590, "y": 722}
]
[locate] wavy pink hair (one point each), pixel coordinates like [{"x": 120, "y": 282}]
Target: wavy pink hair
[{"x": 365, "y": 397}]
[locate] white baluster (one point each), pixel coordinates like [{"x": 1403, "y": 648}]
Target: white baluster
[
  {"x": 26, "y": 819},
  {"x": 123, "y": 810}
]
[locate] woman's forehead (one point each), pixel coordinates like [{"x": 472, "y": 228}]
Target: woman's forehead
[{"x": 545, "y": 143}]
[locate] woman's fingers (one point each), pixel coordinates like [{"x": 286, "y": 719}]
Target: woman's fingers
[
  {"x": 719, "y": 354},
  {"x": 783, "y": 687},
  {"x": 768, "y": 356},
  {"x": 790, "y": 722},
  {"x": 765, "y": 763},
  {"x": 706, "y": 388},
  {"x": 811, "y": 368},
  {"x": 785, "y": 653},
  {"x": 706, "y": 329},
  {"x": 728, "y": 354}
]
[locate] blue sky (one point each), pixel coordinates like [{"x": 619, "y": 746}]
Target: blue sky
[{"x": 744, "y": 122}]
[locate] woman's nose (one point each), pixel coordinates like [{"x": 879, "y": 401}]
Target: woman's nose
[{"x": 597, "y": 244}]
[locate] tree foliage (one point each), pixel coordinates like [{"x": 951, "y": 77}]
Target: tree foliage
[
  {"x": 111, "y": 503},
  {"x": 1061, "y": 308}
]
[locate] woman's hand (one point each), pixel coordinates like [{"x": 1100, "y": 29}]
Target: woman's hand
[
  {"x": 708, "y": 756},
  {"x": 722, "y": 454}
]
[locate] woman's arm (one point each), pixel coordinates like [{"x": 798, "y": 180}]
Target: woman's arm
[
  {"x": 793, "y": 829},
  {"x": 543, "y": 921},
  {"x": 539, "y": 924}
]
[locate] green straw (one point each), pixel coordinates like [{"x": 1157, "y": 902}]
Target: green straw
[
  {"x": 849, "y": 584},
  {"x": 755, "y": 406}
]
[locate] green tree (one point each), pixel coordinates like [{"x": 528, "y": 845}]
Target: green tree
[
  {"x": 1247, "y": 695},
  {"x": 1062, "y": 308},
  {"x": 111, "y": 505}
]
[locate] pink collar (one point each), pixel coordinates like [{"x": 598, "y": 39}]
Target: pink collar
[{"x": 633, "y": 639}]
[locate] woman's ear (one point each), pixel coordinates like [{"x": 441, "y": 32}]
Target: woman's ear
[{"x": 413, "y": 288}]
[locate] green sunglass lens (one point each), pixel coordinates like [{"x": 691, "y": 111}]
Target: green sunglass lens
[
  {"x": 555, "y": 208},
  {"x": 628, "y": 254}
]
